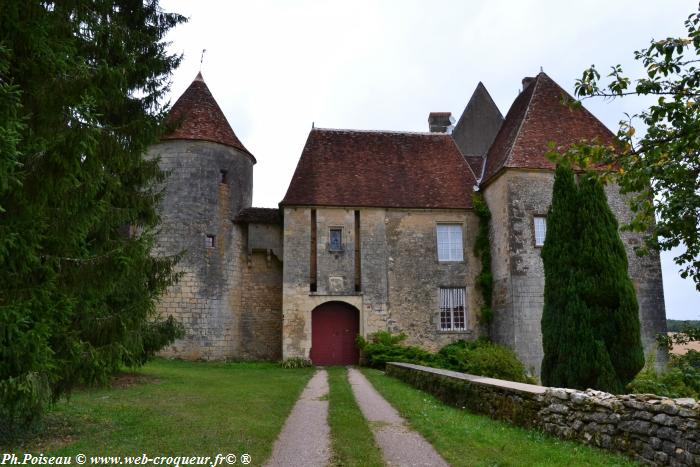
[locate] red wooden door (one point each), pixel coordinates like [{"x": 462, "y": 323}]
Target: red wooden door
[{"x": 334, "y": 328}]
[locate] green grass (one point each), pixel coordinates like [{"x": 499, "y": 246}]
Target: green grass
[
  {"x": 351, "y": 436},
  {"x": 471, "y": 440},
  {"x": 182, "y": 408}
]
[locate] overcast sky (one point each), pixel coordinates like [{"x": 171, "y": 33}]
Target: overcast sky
[{"x": 275, "y": 67}]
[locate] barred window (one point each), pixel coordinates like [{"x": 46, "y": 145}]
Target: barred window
[
  {"x": 540, "y": 230},
  {"x": 449, "y": 242},
  {"x": 453, "y": 315}
]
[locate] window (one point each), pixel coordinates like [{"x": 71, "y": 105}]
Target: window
[
  {"x": 224, "y": 176},
  {"x": 336, "y": 239},
  {"x": 449, "y": 239},
  {"x": 453, "y": 316},
  {"x": 209, "y": 241},
  {"x": 540, "y": 230}
]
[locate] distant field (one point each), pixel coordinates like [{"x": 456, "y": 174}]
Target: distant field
[{"x": 683, "y": 349}]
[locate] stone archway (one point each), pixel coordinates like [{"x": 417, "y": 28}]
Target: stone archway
[{"x": 334, "y": 329}]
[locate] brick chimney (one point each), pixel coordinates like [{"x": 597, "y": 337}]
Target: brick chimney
[{"x": 440, "y": 122}]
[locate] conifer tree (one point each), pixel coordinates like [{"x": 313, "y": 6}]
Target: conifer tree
[
  {"x": 81, "y": 86},
  {"x": 590, "y": 321},
  {"x": 605, "y": 285}
]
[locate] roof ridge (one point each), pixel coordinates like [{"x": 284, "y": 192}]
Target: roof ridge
[
  {"x": 394, "y": 132},
  {"x": 522, "y": 122}
]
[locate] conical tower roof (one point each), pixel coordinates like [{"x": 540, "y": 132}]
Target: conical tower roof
[
  {"x": 537, "y": 117},
  {"x": 198, "y": 117}
]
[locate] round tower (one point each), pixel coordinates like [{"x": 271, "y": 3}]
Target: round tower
[{"x": 210, "y": 179}]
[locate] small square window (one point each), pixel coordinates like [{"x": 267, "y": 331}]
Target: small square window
[
  {"x": 540, "y": 230},
  {"x": 449, "y": 240},
  {"x": 224, "y": 176},
  {"x": 336, "y": 239},
  {"x": 210, "y": 241}
]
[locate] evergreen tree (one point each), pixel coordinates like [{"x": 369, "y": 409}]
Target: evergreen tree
[
  {"x": 590, "y": 321},
  {"x": 605, "y": 285},
  {"x": 81, "y": 85}
]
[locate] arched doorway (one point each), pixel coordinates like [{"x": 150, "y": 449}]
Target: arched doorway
[{"x": 334, "y": 328}]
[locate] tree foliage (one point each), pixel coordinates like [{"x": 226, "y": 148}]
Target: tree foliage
[
  {"x": 482, "y": 249},
  {"x": 590, "y": 322},
  {"x": 80, "y": 89},
  {"x": 660, "y": 167}
]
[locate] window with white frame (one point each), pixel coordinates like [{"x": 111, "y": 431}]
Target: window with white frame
[
  {"x": 540, "y": 230},
  {"x": 449, "y": 242},
  {"x": 453, "y": 315}
]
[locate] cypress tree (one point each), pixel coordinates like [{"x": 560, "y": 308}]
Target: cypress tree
[
  {"x": 605, "y": 286},
  {"x": 590, "y": 321},
  {"x": 81, "y": 85}
]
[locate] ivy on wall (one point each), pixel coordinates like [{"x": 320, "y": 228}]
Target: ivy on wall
[{"x": 482, "y": 249}]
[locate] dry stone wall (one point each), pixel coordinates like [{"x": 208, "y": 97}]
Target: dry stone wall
[{"x": 651, "y": 429}]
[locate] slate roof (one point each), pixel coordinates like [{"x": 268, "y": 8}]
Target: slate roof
[
  {"x": 479, "y": 124},
  {"x": 537, "y": 117},
  {"x": 200, "y": 118},
  {"x": 259, "y": 216},
  {"x": 381, "y": 169}
]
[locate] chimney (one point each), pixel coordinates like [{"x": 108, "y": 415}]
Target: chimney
[
  {"x": 527, "y": 80},
  {"x": 440, "y": 122}
]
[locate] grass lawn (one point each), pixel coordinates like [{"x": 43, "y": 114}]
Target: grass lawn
[
  {"x": 177, "y": 408},
  {"x": 351, "y": 436},
  {"x": 464, "y": 439}
]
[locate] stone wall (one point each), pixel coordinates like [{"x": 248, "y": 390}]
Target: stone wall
[
  {"x": 196, "y": 204},
  {"x": 400, "y": 273},
  {"x": 651, "y": 429},
  {"x": 261, "y": 308},
  {"x": 514, "y": 198}
]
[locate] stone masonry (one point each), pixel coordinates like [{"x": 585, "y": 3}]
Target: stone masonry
[
  {"x": 196, "y": 204},
  {"x": 515, "y": 198},
  {"x": 651, "y": 429},
  {"x": 400, "y": 273}
]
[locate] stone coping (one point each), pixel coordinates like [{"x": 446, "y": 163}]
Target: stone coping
[{"x": 481, "y": 380}]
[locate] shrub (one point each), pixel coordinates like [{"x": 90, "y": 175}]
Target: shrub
[
  {"x": 384, "y": 347},
  {"x": 681, "y": 380},
  {"x": 482, "y": 358},
  {"x": 479, "y": 357}
]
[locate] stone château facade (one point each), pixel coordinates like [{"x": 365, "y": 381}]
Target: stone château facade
[{"x": 376, "y": 232}]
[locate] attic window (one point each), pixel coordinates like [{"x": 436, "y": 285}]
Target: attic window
[
  {"x": 210, "y": 241},
  {"x": 224, "y": 176}
]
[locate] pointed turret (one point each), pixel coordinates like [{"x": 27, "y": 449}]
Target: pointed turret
[
  {"x": 537, "y": 117},
  {"x": 198, "y": 117},
  {"x": 478, "y": 125}
]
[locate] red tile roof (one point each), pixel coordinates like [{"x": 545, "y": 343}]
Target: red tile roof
[
  {"x": 199, "y": 117},
  {"x": 537, "y": 117},
  {"x": 380, "y": 169}
]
